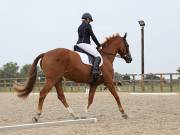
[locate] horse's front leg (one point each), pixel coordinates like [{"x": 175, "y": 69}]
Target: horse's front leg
[{"x": 112, "y": 89}]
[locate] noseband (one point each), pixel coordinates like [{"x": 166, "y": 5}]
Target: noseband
[{"x": 113, "y": 54}]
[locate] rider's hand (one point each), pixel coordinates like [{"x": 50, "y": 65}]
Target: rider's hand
[{"x": 99, "y": 48}]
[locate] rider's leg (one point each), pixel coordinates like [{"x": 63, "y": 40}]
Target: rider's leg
[
  {"x": 91, "y": 50},
  {"x": 95, "y": 69}
]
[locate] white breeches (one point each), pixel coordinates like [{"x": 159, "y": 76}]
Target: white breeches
[{"x": 89, "y": 49}]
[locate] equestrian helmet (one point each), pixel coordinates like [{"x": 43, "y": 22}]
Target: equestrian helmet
[{"x": 87, "y": 15}]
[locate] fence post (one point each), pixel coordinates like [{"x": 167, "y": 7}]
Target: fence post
[
  {"x": 77, "y": 87},
  {"x": 5, "y": 86},
  {"x": 64, "y": 84},
  {"x": 152, "y": 83},
  {"x": 161, "y": 82},
  {"x": 100, "y": 88},
  {"x": 171, "y": 86},
  {"x": 134, "y": 88},
  {"x": 10, "y": 85},
  {"x": 71, "y": 85},
  {"x": 142, "y": 83}
]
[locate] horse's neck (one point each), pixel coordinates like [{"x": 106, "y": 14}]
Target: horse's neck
[
  {"x": 108, "y": 50},
  {"x": 110, "y": 58}
]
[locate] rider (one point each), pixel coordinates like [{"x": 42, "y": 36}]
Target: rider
[{"x": 84, "y": 33}]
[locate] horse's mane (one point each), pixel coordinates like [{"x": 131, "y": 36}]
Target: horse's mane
[{"x": 111, "y": 38}]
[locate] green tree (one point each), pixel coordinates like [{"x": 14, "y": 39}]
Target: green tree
[
  {"x": 9, "y": 70},
  {"x": 24, "y": 70},
  {"x": 178, "y": 70},
  {"x": 40, "y": 74},
  {"x": 152, "y": 77},
  {"x": 126, "y": 77},
  {"x": 117, "y": 76},
  {"x": 1, "y": 73}
]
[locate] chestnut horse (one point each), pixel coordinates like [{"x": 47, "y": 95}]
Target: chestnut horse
[{"x": 59, "y": 63}]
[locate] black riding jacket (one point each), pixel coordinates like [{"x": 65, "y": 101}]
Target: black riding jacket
[{"x": 84, "y": 34}]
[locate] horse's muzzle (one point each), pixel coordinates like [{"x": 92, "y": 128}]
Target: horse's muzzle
[{"x": 128, "y": 59}]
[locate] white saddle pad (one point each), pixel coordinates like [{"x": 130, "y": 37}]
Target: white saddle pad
[{"x": 85, "y": 59}]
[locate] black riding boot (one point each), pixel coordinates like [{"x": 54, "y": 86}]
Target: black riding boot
[{"x": 95, "y": 68}]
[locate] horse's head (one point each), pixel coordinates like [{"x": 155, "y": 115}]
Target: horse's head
[
  {"x": 117, "y": 44},
  {"x": 123, "y": 48}
]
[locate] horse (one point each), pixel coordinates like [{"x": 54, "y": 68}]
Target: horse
[{"x": 64, "y": 63}]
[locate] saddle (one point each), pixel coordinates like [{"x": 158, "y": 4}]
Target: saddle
[{"x": 86, "y": 58}]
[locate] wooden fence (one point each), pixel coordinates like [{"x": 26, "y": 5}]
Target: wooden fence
[
  {"x": 163, "y": 82},
  {"x": 160, "y": 82}
]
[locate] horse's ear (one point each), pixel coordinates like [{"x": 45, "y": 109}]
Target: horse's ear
[{"x": 125, "y": 35}]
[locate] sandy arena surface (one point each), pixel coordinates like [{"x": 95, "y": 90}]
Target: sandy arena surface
[{"x": 148, "y": 114}]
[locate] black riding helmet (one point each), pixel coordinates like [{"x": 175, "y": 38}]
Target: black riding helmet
[{"x": 87, "y": 15}]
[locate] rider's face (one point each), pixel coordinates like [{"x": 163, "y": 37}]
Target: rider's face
[{"x": 89, "y": 20}]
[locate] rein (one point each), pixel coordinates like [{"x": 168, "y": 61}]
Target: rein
[{"x": 118, "y": 56}]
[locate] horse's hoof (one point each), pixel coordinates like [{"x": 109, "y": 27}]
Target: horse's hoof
[
  {"x": 125, "y": 116},
  {"x": 76, "y": 118},
  {"x": 84, "y": 117},
  {"x": 34, "y": 120}
]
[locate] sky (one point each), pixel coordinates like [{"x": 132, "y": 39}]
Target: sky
[{"x": 28, "y": 28}]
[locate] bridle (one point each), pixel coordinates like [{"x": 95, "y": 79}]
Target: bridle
[{"x": 115, "y": 54}]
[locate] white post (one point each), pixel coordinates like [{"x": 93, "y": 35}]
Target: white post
[{"x": 87, "y": 91}]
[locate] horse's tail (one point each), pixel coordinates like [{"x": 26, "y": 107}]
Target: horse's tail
[{"x": 24, "y": 91}]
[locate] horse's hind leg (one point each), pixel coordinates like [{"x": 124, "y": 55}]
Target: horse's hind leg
[
  {"x": 43, "y": 93},
  {"x": 62, "y": 98}
]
